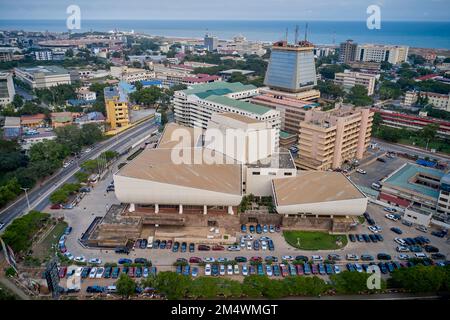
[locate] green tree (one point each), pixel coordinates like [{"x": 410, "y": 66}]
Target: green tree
[
  {"x": 428, "y": 132},
  {"x": 352, "y": 282},
  {"x": 422, "y": 278},
  {"x": 174, "y": 286},
  {"x": 126, "y": 286},
  {"x": 358, "y": 96},
  {"x": 17, "y": 101}
]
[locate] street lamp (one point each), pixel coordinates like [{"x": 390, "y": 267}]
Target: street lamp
[{"x": 26, "y": 195}]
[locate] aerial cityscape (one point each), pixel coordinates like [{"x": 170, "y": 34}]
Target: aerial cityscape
[{"x": 194, "y": 155}]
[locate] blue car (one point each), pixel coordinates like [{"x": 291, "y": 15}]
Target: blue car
[
  {"x": 215, "y": 270},
  {"x": 292, "y": 270},
  {"x": 243, "y": 228},
  {"x": 186, "y": 270},
  {"x": 153, "y": 271},
  {"x": 276, "y": 270},
  {"x": 252, "y": 229},
  {"x": 307, "y": 269},
  {"x": 124, "y": 261},
  {"x": 183, "y": 247},
  {"x": 179, "y": 269},
  {"x": 383, "y": 267},
  {"x": 260, "y": 270},
  {"x": 258, "y": 229},
  {"x": 328, "y": 268},
  {"x": 350, "y": 267}
]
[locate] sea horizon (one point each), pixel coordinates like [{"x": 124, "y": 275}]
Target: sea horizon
[{"x": 421, "y": 34}]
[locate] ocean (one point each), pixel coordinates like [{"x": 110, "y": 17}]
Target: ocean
[{"x": 415, "y": 34}]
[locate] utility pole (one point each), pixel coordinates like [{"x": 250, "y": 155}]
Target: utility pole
[{"x": 26, "y": 196}]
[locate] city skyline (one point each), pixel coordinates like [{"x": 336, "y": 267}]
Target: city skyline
[{"x": 351, "y": 10}]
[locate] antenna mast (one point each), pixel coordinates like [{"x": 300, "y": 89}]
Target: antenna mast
[
  {"x": 306, "y": 31},
  {"x": 286, "y": 36},
  {"x": 296, "y": 34}
]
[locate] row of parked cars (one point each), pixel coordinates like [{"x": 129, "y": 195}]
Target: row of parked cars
[
  {"x": 260, "y": 228},
  {"x": 111, "y": 272},
  {"x": 375, "y": 237}
]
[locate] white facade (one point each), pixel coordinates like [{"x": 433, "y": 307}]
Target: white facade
[
  {"x": 7, "y": 90},
  {"x": 131, "y": 75},
  {"x": 349, "y": 79},
  {"x": 46, "y": 55},
  {"x": 379, "y": 53},
  {"x": 353, "y": 207},
  {"x": 43, "y": 76}
]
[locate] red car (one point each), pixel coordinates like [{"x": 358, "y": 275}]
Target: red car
[
  {"x": 131, "y": 272},
  {"x": 284, "y": 270},
  {"x": 300, "y": 269},
  {"x": 256, "y": 259},
  {"x": 55, "y": 206},
  {"x": 63, "y": 249},
  {"x": 169, "y": 244},
  {"x": 62, "y": 272},
  {"x": 218, "y": 248},
  {"x": 202, "y": 247},
  {"x": 314, "y": 269},
  {"x": 195, "y": 260}
]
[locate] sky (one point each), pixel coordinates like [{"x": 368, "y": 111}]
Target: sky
[{"x": 347, "y": 10}]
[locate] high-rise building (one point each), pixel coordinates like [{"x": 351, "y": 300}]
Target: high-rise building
[
  {"x": 349, "y": 79},
  {"x": 347, "y": 51},
  {"x": 7, "y": 90},
  {"x": 328, "y": 138},
  {"x": 291, "y": 67},
  {"x": 116, "y": 102},
  {"x": 210, "y": 42},
  {"x": 379, "y": 53}
]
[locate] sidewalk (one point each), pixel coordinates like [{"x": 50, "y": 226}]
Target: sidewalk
[{"x": 12, "y": 287}]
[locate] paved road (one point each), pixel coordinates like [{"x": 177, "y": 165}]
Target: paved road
[
  {"x": 410, "y": 150},
  {"x": 39, "y": 197}
]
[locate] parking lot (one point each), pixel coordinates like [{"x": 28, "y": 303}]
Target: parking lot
[{"x": 376, "y": 171}]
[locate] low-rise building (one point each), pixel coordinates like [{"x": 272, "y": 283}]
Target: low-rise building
[
  {"x": 349, "y": 79},
  {"x": 61, "y": 119},
  {"x": 12, "y": 129},
  {"x": 44, "y": 76},
  {"x": 131, "y": 75},
  {"x": 33, "y": 121},
  {"x": 7, "y": 90},
  {"x": 85, "y": 94},
  {"x": 39, "y": 136},
  {"x": 413, "y": 122}
]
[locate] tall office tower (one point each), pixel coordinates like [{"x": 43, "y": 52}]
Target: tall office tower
[
  {"x": 291, "y": 67},
  {"x": 210, "y": 42},
  {"x": 347, "y": 51}
]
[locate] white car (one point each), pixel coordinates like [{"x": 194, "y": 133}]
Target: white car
[
  {"x": 207, "y": 270},
  {"x": 244, "y": 270},
  {"x": 234, "y": 248},
  {"x": 236, "y": 269},
  {"x": 222, "y": 270},
  {"x": 420, "y": 255},
  {"x": 337, "y": 270},
  {"x": 249, "y": 245},
  {"x": 80, "y": 259},
  {"x": 222, "y": 259},
  {"x": 352, "y": 257},
  {"x": 400, "y": 241},
  {"x": 100, "y": 272},
  {"x": 375, "y": 229},
  {"x": 78, "y": 271},
  {"x": 358, "y": 267},
  {"x": 269, "y": 271},
  {"x": 391, "y": 217},
  {"x": 1, "y": 225},
  {"x": 263, "y": 245},
  {"x": 242, "y": 244},
  {"x": 403, "y": 257},
  {"x": 248, "y": 237},
  {"x": 230, "y": 270},
  {"x": 264, "y": 238},
  {"x": 317, "y": 258},
  {"x": 420, "y": 228},
  {"x": 93, "y": 273},
  {"x": 402, "y": 249},
  {"x": 361, "y": 171},
  {"x": 69, "y": 256},
  {"x": 95, "y": 261},
  {"x": 210, "y": 259},
  {"x": 287, "y": 258}
]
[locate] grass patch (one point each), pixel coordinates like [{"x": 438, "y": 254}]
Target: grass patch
[
  {"x": 361, "y": 219},
  {"x": 45, "y": 249},
  {"x": 314, "y": 240}
]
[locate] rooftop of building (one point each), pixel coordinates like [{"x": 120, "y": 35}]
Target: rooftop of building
[
  {"x": 230, "y": 71},
  {"x": 404, "y": 178},
  {"x": 238, "y": 104},
  {"x": 286, "y": 135},
  {"x": 281, "y": 160},
  {"x": 113, "y": 93},
  {"x": 201, "y": 78},
  {"x": 61, "y": 116},
  {"x": 158, "y": 165},
  {"x": 12, "y": 121},
  {"x": 217, "y": 88},
  {"x": 314, "y": 187},
  {"x": 239, "y": 117},
  {"x": 48, "y": 70},
  {"x": 282, "y": 100},
  {"x": 39, "y": 116},
  {"x": 91, "y": 116},
  {"x": 173, "y": 133}
]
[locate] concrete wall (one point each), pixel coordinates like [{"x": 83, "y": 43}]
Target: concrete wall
[
  {"x": 344, "y": 208},
  {"x": 139, "y": 191}
]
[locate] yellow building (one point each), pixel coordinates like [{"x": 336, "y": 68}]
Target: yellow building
[
  {"x": 328, "y": 138},
  {"x": 117, "y": 108}
]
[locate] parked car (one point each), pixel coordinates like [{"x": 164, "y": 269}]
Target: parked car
[
  {"x": 271, "y": 228},
  {"x": 334, "y": 257},
  {"x": 176, "y": 246},
  {"x": 234, "y": 248},
  {"x": 336, "y": 269},
  {"x": 207, "y": 270},
  {"x": 307, "y": 269},
  {"x": 383, "y": 256},
  {"x": 407, "y": 223},
  {"x": 183, "y": 247},
  {"x": 217, "y": 248},
  {"x": 191, "y": 247},
  {"x": 124, "y": 261},
  {"x": 244, "y": 270},
  {"x": 437, "y": 256},
  {"x": 251, "y": 229},
  {"x": 321, "y": 267},
  {"x": 202, "y": 247},
  {"x": 194, "y": 272},
  {"x": 352, "y": 237},
  {"x": 258, "y": 229},
  {"x": 381, "y": 160},
  {"x": 316, "y": 258},
  {"x": 287, "y": 258},
  {"x": 100, "y": 272},
  {"x": 352, "y": 257},
  {"x": 431, "y": 249},
  {"x": 243, "y": 228},
  {"x": 361, "y": 171},
  {"x": 366, "y": 257},
  {"x": 396, "y": 230},
  {"x": 422, "y": 229},
  {"x": 141, "y": 260},
  {"x": 276, "y": 270}
]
